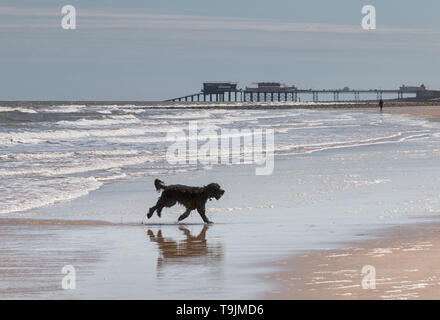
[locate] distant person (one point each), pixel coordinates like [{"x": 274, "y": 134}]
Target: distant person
[{"x": 380, "y": 104}]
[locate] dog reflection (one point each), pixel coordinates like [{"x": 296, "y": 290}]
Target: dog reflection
[{"x": 193, "y": 249}]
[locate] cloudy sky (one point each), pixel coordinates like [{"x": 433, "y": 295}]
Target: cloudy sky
[{"x": 154, "y": 50}]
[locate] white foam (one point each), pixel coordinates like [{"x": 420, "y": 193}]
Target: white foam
[
  {"x": 34, "y": 137},
  {"x": 22, "y": 110},
  {"x": 63, "y": 109},
  {"x": 38, "y": 193},
  {"x": 85, "y": 166},
  {"x": 107, "y": 121},
  {"x": 69, "y": 154}
]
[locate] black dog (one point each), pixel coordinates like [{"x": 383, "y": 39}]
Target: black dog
[{"x": 191, "y": 197}]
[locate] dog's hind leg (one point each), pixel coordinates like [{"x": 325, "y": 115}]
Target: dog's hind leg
[
  {"x": 201, "y": 211},
  {"x": 159, "y": 211},
  {"x": 149, "y": 214},
  {"x": 185, "y": 214}
]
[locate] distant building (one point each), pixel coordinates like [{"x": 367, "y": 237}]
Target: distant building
[
  {"x": 409, "y": 89},
  {"x": 268, "y": 87},
  {"x": 218, "y": 87}
]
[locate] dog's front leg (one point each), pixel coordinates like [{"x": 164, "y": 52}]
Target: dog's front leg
[
  {"x": 201, "y": 211},
  {"x": 185, "y": 214}
]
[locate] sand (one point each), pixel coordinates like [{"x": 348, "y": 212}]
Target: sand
[
  {"x": 405, "y": 260},
  {"x": 431, "y": 112}
]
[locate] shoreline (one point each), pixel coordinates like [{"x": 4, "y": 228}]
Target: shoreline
[
  {"x": 404, "y": 257},
  {"x": 356, "y": 105}
]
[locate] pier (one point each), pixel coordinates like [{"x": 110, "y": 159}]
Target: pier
[{"x": 276, "y": 92}]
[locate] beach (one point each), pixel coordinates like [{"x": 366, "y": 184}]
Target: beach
[
  {"x": 349, "y": 188},
  {"x": 405, "y": 262}
]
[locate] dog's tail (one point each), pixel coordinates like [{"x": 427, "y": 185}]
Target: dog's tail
[{"x": 159, "y": 185}]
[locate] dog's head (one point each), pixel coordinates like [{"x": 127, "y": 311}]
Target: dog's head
[{"x": 214, "y": 191}]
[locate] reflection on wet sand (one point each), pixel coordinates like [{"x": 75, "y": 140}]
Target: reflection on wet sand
[{"x": 192, "y": 250}]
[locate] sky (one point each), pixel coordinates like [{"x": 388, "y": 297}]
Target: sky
[{"x": 156, "y": 50}]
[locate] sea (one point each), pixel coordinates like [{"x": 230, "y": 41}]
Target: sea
[{"x": 51, "y": 153}]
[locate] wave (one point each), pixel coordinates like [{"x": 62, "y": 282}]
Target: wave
[
  {"x": 68, "y": 154},
  {"x": 348, "y": 144},
  {"x": 22, "y": 110},
  {"x": 63, "y": 109},
  {"x": 35, "y": 137},
  {"x": 314, "y": 147},
  {"x": 85, "y": 166},
  {"x": 39, "y": 195},
  {"x": 107, "y": 121}
]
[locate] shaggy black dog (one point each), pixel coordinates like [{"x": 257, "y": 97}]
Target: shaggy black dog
[{"x": 191, "y": 197}]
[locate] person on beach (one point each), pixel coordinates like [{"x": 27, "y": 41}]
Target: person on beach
[{"x": 380, "y": 104}]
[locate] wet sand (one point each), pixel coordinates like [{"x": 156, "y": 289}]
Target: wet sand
[
  {"x": 431, "y": 112},
  {"x": 405, "y": 259},
  {"x": 34, "y": 252}
]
